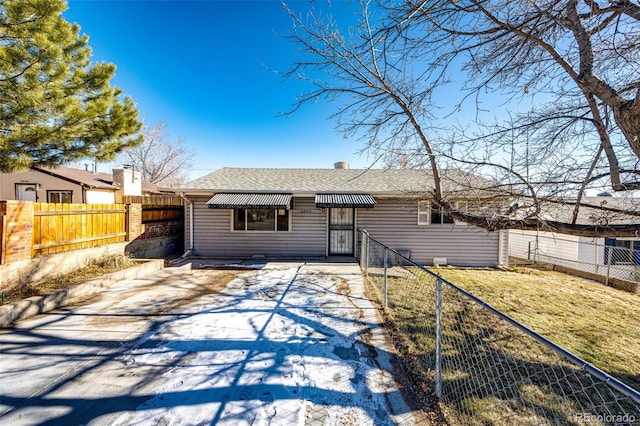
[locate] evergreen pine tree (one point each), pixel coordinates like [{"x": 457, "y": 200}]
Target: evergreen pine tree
[{"x": 55, "y": 105}]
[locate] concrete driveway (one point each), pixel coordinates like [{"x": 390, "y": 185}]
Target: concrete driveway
[{"x": 285, "y": 343}]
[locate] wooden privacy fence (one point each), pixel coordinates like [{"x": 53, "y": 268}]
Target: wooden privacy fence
[
  {"x": 64, "y": 227},
  {"x": 158, "y": 208},
  {"x": 29, "y": 229},
  {"x": 154, "y": 200},
  {"x": 162, "y": 218},
  {"x": 151, "y": 214}
]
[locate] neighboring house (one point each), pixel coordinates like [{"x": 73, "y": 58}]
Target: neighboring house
[
  {"x": 606, "y": 256},
  {"x": 69, "y": 185},
  {"x": 248, "y": 212}
]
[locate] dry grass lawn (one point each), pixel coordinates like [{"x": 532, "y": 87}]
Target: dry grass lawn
[
  {"x": 493, "y": 374},
  {"x": 598, "y": 323},
  {"x": 95, "y": 268}
]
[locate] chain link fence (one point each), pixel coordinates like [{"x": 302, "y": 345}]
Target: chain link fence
[
  {"x": 485, "y": 367},
  {"x": 608, "y": 258}
]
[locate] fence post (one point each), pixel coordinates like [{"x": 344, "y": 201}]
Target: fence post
[
  {"x": 364, "y": 252},
  {"x": 385, "y": 276},
  {"x": 133, "y": 221},
  {"x": 438, "y": 366},
  {"x": 366, "y": 269},
  {"x": 610, "y": 255},
  {"x": 3, "y": 233},
  {"x": 17, "y": 230}
]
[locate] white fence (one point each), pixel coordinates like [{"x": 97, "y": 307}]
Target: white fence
[{"x": 605, "y": 257}]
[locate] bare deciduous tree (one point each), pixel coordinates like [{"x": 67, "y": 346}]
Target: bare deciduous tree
[
  {"x": 160, "y": 160},
  {"x": 410, "y": 68}
]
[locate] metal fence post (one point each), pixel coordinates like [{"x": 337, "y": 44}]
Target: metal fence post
[
  {"x": 386, "y": 252},
  {"x": 610, "y": 255},
  {"x": 438, "y": 366},
  {"x": 362, "y": 249},
  {"x": 365, "y": 237}
]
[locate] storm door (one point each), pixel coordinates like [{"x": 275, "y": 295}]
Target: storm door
[{"x": 341, "y": 231}]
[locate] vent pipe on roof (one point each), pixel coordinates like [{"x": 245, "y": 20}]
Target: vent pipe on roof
[{"x": 341, "y": 165}]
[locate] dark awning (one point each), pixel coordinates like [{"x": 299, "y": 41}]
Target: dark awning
[
  {"x": 345, "y": 200},
  {"x": 249, "y": 201}
]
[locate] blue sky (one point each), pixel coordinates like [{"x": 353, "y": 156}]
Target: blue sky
[{"x": 203, "y": 68}]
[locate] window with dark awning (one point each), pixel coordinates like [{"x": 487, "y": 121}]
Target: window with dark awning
[
  {"x": 345, "y": 200},
  {"x": 250, "y": 201}
]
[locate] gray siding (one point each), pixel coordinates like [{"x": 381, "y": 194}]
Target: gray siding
[
  {"x": 214, "y": 238},
  {"x": 394, "y": 222}
]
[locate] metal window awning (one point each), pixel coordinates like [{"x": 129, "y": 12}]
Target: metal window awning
[
  {"x": 250, "y": 201},
  {"x": 345, "y": 200}
]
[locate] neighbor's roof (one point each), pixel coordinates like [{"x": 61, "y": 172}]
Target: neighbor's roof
[
  {"x": 587, "y": 215},
  {"x": 377, "y": 181},
  {"x": 79, "y": 176},
  {"x": 93, "y": 180}
]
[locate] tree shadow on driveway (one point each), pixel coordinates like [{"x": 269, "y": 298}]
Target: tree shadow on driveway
[{"x": 276, "y": 346}]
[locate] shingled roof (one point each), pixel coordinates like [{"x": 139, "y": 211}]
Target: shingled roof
[
  {"x": 595, "y": 210},
  {"x": 79, "y": 176},
  {"x": 311, "y": 181},
  {"x": 92, "y": 180}
]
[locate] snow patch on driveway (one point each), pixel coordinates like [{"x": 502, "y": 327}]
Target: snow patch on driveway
[{"x": 280, "y": 346}]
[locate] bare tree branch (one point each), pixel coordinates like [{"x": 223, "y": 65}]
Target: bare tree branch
[
  {"x": 409, "y": 67},
  {"x": 160, "y": 160}
]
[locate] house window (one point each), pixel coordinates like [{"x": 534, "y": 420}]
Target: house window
[
  {"x": 439, "y": 217},
  {"x": 428, "y": 213},
  {"x": 59, "y": 196},
  {"x": 621, "y": 252},
  {"x": 260, "y": 220},
  {"x": 424, "y": 212}
]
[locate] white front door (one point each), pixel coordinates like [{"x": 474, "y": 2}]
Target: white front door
[{"x": 26, "y": 191}]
